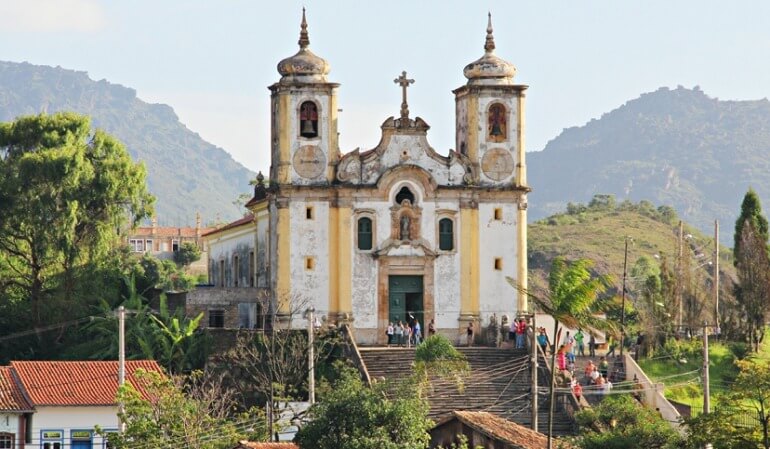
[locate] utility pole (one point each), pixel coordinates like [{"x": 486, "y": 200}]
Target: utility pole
[
  {"x": 679, "y": 286},
  {"x": 623, "y": 305},
  {"x": 716, "y": 277},
  {"x": 121, "y": 361},
  {"x": 310, "y": 355},
  {"x": 706, "y": 389},
  {"x": 533, "y": 386}
]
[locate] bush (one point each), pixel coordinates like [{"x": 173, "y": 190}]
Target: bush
[{"x": 740, "y": 349}]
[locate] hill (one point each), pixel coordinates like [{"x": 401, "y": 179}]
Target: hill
[
  {"x": 597, "y": 232},
  {"x": 185, "y": 173},
  {"x": 676, "y": 147}
]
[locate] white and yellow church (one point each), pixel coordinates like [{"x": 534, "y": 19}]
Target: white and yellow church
[{"x": 372, "y": 237}]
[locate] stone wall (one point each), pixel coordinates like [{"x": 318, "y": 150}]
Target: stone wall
[{"x": 206, "y": 299}]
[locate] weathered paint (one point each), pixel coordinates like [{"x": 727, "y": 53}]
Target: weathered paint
[
  {"x": 309, "y": 239},
  {"x": 223, "y": 247},
  {"x": 283, "y": 289}
]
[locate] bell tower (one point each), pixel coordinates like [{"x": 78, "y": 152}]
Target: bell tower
[
  {"x": 489, "y": 113},
  {"x": 304, "y": 145}
]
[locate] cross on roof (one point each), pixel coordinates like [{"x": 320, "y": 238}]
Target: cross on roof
[{"x": 404, "y": 82}]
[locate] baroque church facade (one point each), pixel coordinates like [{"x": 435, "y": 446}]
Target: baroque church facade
[{"x": 398, "y": 231}]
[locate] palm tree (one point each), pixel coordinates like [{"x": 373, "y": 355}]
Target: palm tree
[{"x": 573, "y": 300}]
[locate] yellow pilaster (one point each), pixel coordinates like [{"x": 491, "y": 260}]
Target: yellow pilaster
[
  {"x": 283, "y": 287},
  {"x": 522, "y": 303},
  {"x": 334, "y": 290},
  {"x": 472, "y": 145},
  {"x": 521, "y": 166},
  {"x": 333, "y": 138},
  {"x": 344, "y": 261},
  {"x": 469, "y": 262},
  {"x": 284, "y": 139}
]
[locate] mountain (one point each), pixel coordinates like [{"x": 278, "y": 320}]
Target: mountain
[
  {"x": 185, "y": 173},
  {"x": 677, "y": 147}
]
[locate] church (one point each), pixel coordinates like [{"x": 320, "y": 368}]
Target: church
[{"x": 377, "y": 236}]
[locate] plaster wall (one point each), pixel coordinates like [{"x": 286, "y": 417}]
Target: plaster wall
[
  {"x": 413, "y": 149},
  {"x": 511, "y": 144},
  {"x": 225, "y": 247},
  {"x": 262, "y": 252},
  {"x": 309, "y": 239},
  {"x": 497, "y": 239},
  {"x": 9, "y": 423},
  {"x": 67, "y": 419},
  {"x": 324, "y": 103}
]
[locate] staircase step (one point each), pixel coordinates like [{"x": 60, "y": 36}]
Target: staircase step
[{"x": 499, "y": 383}]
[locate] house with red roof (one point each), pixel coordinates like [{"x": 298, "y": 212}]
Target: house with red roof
[
  {"x": 56, "y": 405},
  {"x": 15, "y": 411}
]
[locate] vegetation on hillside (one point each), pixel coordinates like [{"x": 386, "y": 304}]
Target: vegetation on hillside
[{"x": 184, "y": 172}]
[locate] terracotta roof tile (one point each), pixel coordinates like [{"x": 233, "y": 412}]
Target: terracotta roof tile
[
  {"x": 11, "y": 395},
  {"x": 243, "y": 221},
  {"x": 259, "y": 445},
  {"x": 76, "y": 383},
  {"x": 502, "y": 429}
]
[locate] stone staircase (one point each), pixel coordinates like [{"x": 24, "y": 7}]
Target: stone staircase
[{"x": 499, "y": 383}]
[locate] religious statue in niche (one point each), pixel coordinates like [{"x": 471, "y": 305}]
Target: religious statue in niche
[
  {"x": 497, "y": 125},
  {"x": 404, "y": 233},
  {"x": 308, "y": 119}
]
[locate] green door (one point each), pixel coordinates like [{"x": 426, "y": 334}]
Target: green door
[{"x": 405, "y": 299}]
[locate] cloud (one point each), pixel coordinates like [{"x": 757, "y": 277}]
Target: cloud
[{"x": 41, "y": 16}]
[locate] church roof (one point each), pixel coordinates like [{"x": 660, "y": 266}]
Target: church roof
[
  {"x": 305, "y": 66},
  {"x": 248, "y": 218},
  {"x": 490, "y": 69}
]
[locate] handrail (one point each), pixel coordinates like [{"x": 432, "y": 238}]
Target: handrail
[{"x": 352, "y": 352}]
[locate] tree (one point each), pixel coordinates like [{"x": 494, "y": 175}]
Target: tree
[
  {"x": 753, "y": 282},
  {"x": 194, "y": 412},
  {"x": 751, "y": 212},
  {"x": 65, "y": 190},
  {"x": 188, "y": 253},
  {"x": 624, "y": 424},
  {"x": 171, "y": 338},
  {"x": 573, "y": 299},
  {"x": 742, "y": 419},
  {"x": 354, "y": 416}
]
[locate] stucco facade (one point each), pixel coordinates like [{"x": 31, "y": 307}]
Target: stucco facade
[{"x": 400, "y": 230}]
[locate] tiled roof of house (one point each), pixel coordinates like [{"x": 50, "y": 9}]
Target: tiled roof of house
[
  {"x": 11, "y": 395},
  {"x": 76, "y": 383},
  {"x": 259, "y": 445},
  {"x": 168, "y": 231},
  {"x": 248, "y": 218},
  {"x": 502, "y": 429}
]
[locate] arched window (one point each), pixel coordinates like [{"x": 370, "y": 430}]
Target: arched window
[
  {"x": 497, "y": 126},
  {"x": 446, "y": 234},
  {"x": 365, "y": 233},
  {"x": 404, "y": 194},
  {"x": 308, "y": 119}
]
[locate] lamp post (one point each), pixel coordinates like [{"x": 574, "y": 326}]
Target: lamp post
[{"x": 623, "y": 305}]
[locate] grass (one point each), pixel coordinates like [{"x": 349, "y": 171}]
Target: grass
[{"x": 675, "y": 370}]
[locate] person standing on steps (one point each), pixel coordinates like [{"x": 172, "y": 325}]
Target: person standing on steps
[
  {"x": 390, "y": 332},
  {"x": 611, "y": 345},
  {"x": 469, "y": 333},
  {"x": 417, "y": 333},
  {"x": 399, "y": 331},
  {"x": 521, "y": 333},
  {"x": 579, "y": 340},
  {"x": 592, "y": 345},
  {"x": 432, "y": 327},
  {"x": 604, "y": 366},
  {"x": 542, "y": 340}
]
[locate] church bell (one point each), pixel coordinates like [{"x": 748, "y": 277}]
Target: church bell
[{"x": 307, "y": 128}]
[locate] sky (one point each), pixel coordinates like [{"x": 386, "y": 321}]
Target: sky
[{"x": 213, "y": 60}]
